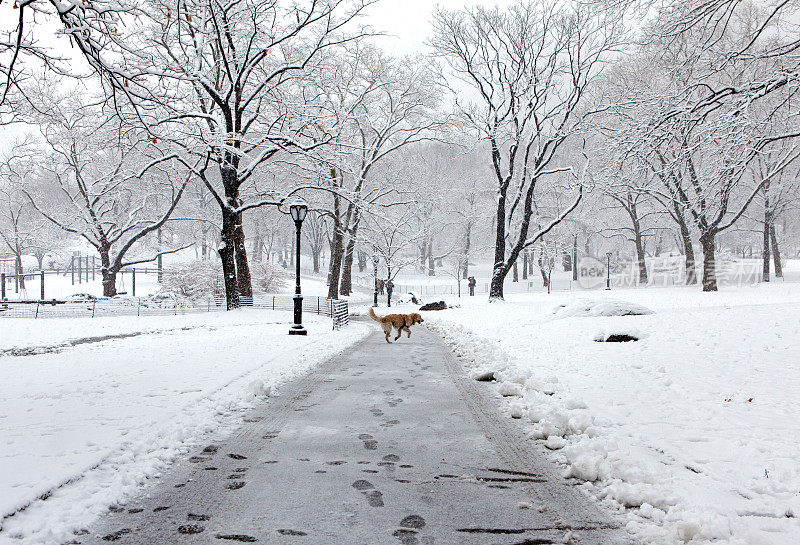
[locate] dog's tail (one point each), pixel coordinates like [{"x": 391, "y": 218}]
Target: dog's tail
[{"x": 373, "y": 315}]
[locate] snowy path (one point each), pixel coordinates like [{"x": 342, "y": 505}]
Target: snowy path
[
  {"x": 384, "y": 444},
  {"x": 85, "y": 423}
]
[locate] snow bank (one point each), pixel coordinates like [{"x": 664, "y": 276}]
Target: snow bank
[
  {"x": 691, "y": 431},
  {"x": 88, "y": 425},
  {"x": 600, "y": 307}
]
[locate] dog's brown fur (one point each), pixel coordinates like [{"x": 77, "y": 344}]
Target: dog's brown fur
[{"x": 397, "y": 321}]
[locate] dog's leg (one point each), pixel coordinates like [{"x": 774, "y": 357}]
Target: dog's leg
[
  {"x": 399, "y": 332},
  {"x": 408, "y": 330},
  {"x": 386, "y": 332}
]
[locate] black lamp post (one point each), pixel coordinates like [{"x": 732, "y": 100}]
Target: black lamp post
[
  {"x": 608, "y": 270},
  {"x": 375, "y": 260},
  {"x": 298, "y": 210}
]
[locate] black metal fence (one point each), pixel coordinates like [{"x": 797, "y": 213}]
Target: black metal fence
[{"x": 336, "y": 309}]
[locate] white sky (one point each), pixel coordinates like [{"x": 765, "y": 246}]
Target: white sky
[{"x": 407, "y": 22}]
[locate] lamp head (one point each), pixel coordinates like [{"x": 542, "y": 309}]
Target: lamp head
[
  {"x": 298, "y": 209},
  {"x": 375, "y": 258}
]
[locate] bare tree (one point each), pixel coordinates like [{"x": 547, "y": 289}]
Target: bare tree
[
  {"x": 701, "y": 161},
  {"x": 384, "y": 105},
  {"x": 529, "y": 68},
  {"x": 20, "y": 230},
  {"x": 223, "y": 78},
  {"x": 111, "y": 193},
  {"x": 635, "y": 205},
  {"x": 779, "y": 195},
  {"x": 392, "y": 237}
]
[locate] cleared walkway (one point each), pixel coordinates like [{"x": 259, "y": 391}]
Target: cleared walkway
[{"x": 385, "y": 444}]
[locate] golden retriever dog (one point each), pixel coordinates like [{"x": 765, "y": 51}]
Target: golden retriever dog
[{"x": 397, "y": 321}]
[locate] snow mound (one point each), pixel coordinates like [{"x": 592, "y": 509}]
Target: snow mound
[
  {"x": 258, "y": 389},
  {"x": 604, "y": 307}
]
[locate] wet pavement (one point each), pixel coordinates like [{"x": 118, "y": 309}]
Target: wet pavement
[{"x": 384, "y": 444}]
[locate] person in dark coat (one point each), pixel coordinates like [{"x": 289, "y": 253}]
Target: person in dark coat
[{"x": 472, "y": 283}]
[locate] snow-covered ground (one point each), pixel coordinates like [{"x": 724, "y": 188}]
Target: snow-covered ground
[
  {"x": 693, "y": 432},
  {"x": 87, "y": 424}
]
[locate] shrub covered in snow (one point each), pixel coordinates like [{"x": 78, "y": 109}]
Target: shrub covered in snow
[
  {"x": 194, "y": 279},
  {"x": 266, "y": 277}
]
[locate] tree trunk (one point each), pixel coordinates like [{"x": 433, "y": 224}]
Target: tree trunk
[
  {"x": 335, "y": 266},
  {"x": 496, "y": 285},
  {"x": 347, "y": 268},
  {"x": 688, "y": 250},
  {"x": 545, "y": 278},
  {"x": 467, "y": 245},
  {"x": 347, "y": 273},
  {"x": 776, "y": 254},
  {"x": 109, "y": 283},
  {"x": 524, "y": 265},
  {"x": 108, "y": 274},
  {"x": 637, "y": 240},
  {"x": 515, "y": 272},
  {"x": 243, "y": 280},
  {"x": 315, "y": 259},
  {"x": 423, "y": 255},
  {"x": 640, "y": 258},
  {"x": 232, "y": 250},
  {"x": 765, "y": 245},
  {"x": 346, "y": 286},
  {"x": 689, "y": 262},
  {"x": 19, "y": 271},
  {"x": 226, "y": 255},
  {"x": 500, "y": 268},
  {"x": 709, "y": 263}
]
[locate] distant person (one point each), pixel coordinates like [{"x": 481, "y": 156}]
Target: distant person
[
  {"x": 380, "y": 285},
  {"x": 472, "y": 283}
]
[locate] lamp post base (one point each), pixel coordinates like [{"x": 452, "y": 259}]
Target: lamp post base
[{"x": 297, "y": 327}]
